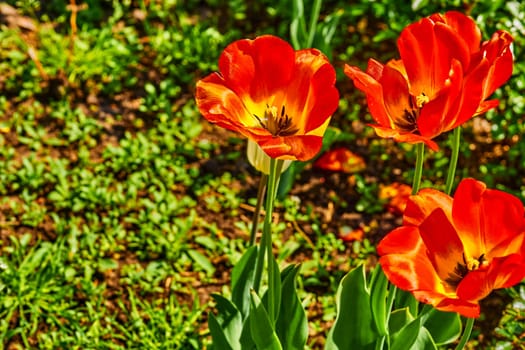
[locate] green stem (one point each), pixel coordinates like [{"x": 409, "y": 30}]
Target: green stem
[
  {"x": 390, "y": 300},
  {"x": 273, "y": 179},
  {"x": 266, "y": 239},
  {"x": 466, "y": 333},
  {"x": 258, "y": 206},
  {"x": 314, "y": 17},
  {"x": 418, "y": 172},
  {"x": 453, "y": 160}
]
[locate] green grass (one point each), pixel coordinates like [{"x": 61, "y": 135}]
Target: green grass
[{"x": 121, "y": 209}]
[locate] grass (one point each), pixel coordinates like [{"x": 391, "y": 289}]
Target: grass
[{"x": 121, "y": 210}]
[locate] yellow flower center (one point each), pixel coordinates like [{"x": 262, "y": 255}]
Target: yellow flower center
[
  {"x": 463, "y": 268},
  {"x": 421, "y": 99},
  {"x": 276, "y": 121}
]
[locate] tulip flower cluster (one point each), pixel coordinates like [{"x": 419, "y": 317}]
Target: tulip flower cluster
[{"x": 449, "y": 253}]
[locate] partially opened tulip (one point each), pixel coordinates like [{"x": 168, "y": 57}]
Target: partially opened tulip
[
  {"x": 278, "y": 97},
  {"x": 443, "y": 78},
  {"x": 452, "y": 252}
]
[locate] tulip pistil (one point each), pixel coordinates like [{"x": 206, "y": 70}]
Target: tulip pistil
[{"x": 278, "y": 124}]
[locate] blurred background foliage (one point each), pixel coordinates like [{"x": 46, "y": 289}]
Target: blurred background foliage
[{"x": 121, "y": 210}]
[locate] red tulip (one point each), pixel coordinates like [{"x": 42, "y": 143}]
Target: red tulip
[
  {"x": 452, "y": 252},
  {"x": 280, "y": 98},
  {"x": 443, "y": 78},
  {"x": 340, "y": 159}
]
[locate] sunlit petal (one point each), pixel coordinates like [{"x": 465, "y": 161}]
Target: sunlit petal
[{"x": 420, "y": 206}]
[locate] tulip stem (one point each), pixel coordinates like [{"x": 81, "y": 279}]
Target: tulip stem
[
  {"x": 258, "y": 206},
  {"x": 266, "y": 239},
  {"x": 466, "y": 333},
  {"x": 418, "y": 172},
  {"x": 453, "y": 160}
]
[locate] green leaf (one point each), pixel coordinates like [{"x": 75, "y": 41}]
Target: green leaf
[
  {"x": 226, "y": 328},
  {"x": 217, "y": 333},
  {"x": 378, "y": 291},
  {"x": 262, "y": 330},
  {"x": 242, "y": 280},
  {"x": 292, "y": 324},
  {"x": 354, "y": 326},
  {"x": 412, "y": 336},
  {"x": 424, "y": 341},
  {"x": 107, "y": 264},
  {"x": 298, "y": 32},
  {"x": 277, "y": 290},
  {"x": 202, "y": 261},
  {"x": 398, "y": 319},
  {"x": 406, "y": 299},
  {"x": 445, "y": 327}
]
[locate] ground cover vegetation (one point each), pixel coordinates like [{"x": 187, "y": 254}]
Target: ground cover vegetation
[{"x": 122, "y": 209}]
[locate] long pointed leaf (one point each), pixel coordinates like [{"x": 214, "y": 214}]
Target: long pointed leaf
[
  {"x": 220, "y": 341},
  {"x": 226, "y": 327},
  {"x": 292, "y": 324},
  {"x": 242, "y": 280},
  {"x": 378, "y": 291},
  {"x": 263, "y": 333}
]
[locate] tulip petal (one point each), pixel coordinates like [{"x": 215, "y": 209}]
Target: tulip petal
[
  {"x": 220, "y": 105},
  {"x": 427, "y": 57},
  {"x": 501, "y": 273},
  {"x": 472, "y": 98},
  {"x": 396, "y": 96},
  {"x": 444, "y": 247},
  {"x": 403, "y": 136},
  {"x": 257, "y": 68},
  {"x": 485, "y": 217},
  {"x": 367, "y": 82},
  {"x": 466, "y": 27},
  {"x": 487, "y": 106},
  {"x": 497, "y": 50},
  {"x": 421, "y": 205},
  {"x": 463, "y": 307},
  {"x": 405, "y": 262},
  {"x": 313, "y": 95},
  {"x": 439, "y": 115},
  {"x": 443, "y": 302},
  {"x": 299, "y": 147}
]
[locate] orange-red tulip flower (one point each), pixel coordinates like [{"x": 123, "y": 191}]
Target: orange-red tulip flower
[
  {"x": 280, "y": 98},
  {"x": 396, "y": 195},
  {"x": 443, "y": 78},
  {"x": 451, "y": 253},
  {"x": 340, "y": 159}
]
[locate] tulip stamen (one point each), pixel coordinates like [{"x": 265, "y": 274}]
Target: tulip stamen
[
  {"x": 278, "y": 124},
  {"x": 408, "y": 122},
  {"x": 421, "y": 100},
  {"x": 462, "y": 269}
]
